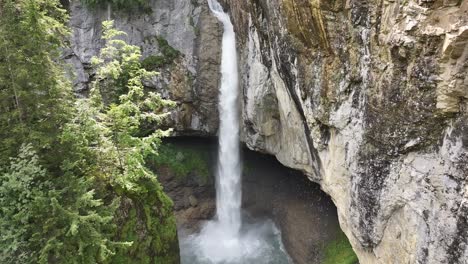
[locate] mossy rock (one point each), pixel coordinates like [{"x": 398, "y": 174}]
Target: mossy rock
[
  {"x": 183, "y": 162},
  {"x": 153, "y": 62},
  {"x": 167, "y": 57},
  {"x": 146, "y": 219},
  {"x": 121, "y": 5},
  {"x": 339, "y": 251}
]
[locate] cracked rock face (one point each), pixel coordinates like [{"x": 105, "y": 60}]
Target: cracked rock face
[
  {"x": 369, "y": 99},
  {"x": 191, "y": 79}
]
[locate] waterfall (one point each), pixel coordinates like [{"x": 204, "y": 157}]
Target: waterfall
[
  {"x": 220, "y": 240},
  {"x": 226, "y": 239},
  {"x": 228, "y": 191}
]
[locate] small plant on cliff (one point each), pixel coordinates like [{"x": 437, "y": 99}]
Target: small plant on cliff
[
  {"x": 339, "y": 251},
  {"x": 168, "y": 55}
]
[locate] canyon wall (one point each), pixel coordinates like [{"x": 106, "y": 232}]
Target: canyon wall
[{"x": 368, "y": 98}]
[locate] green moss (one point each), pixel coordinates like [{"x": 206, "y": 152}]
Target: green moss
[
  {"x": 167, "y": 50},
  {"x": 153, "y": 62},
  {"x": 183, "y": 162},
  {"x": 167, "y": 57},
  {"x": 196, "y": 30},
  {"x": 339, "y": 251},
  {"x": 149, "y": 224}
]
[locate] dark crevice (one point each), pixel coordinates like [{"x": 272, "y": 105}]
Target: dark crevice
[{"x": 289, "y": 79}]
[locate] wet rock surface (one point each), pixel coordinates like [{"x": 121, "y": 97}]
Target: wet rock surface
[
  {"x": 305, "y": 215},
  {"x": 193, "y": 202}
]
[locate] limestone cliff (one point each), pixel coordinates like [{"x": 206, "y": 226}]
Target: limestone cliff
[{"x": 368, "y": 98}]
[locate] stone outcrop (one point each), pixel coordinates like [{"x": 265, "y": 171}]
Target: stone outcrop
[
  {"x": 194, "y": 203},
  {"x": 368, "y": 98},
  {"x": 191, "y": 79}
]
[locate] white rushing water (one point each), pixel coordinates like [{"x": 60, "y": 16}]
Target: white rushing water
[
  {"x": 228, "y": 191},
  {"x": 226, "y": 239}
]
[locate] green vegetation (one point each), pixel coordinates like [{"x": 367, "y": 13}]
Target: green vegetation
[
  {"x": 34, "y": 95},
  {"x": 119, "y": 63},
  {"x": 169, "y": 54},
  {"x": 339, "y": 251},
  {"x": 166, "y": 49},
  {"x": 183, "y": 161},
  {"x": 72, "y": 171},
  {"x": 47, "y": 219},
  {"x": 153, "y": 62},
  {"x": 196, "y": 29}
]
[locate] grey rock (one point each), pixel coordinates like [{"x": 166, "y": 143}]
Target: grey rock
[
  {"x": 361, "y": 97},
  {"x": 191, "y": 81},
  {"x": 193, "y": 201}
]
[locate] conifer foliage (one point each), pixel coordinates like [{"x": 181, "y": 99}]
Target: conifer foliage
[
  {"x": 73, "y": 179},
  {"x": 34, "y": 95}
]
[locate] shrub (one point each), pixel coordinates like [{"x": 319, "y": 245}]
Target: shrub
[
  {"x": 168, "y": 55},
  {"x": 153, "y": 62}
]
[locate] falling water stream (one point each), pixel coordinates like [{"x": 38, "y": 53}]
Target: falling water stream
[
  {"x": 228, "y": 191},
  {"x": 231, "y": 237}
]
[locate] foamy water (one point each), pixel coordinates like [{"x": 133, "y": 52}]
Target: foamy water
[
  {"x": 228, "y": 191},
  {"x": 258, "y": 242}
]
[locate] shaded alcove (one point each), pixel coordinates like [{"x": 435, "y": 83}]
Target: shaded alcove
[{"x": 305, "y": 215}]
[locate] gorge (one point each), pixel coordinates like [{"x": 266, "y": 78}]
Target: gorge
[{"x": 366, "y": 98}]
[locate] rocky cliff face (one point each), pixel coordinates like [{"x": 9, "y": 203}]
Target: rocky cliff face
[
  {"x": 190, "y": 78},
  {"x": 368, "y": 98}
]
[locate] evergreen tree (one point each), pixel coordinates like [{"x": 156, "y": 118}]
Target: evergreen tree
[
  {"x": 34, "y": 95},
  {"x": 122, "y": 107},
  {"x": 50, "y": 212},
  {"x": 21, "y": 188},
  {"x": 60, "y": 193},
  {"x": 46, "y": 219}
]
